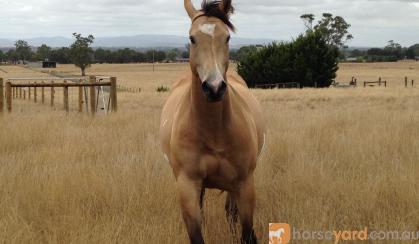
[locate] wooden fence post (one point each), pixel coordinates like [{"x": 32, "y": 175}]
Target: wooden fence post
[
  {"x": 29, "y": 94},
  {"x": 9, "y": 96},
  {"x": 92, "y": 80},
  {"x": 52, "y": 95},
  {"x": 1, "y": 96},
  {"x": 80, "y": 98},
  {"x": 66, "y": 105},
  {"x": 113, "y": 94},
  {"x": 413, "y": 83},
  {"x": 35, "y": 98},
  {"x": 24, "y": 94},
  {"x": 379, "y": 81},
  {"x": 43, "y": 94},
  {"x": 405, "y": 81},
  {"x": 20, "y": 92}
]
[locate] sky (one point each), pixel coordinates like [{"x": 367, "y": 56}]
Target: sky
[{"x": 374, "y": 22}]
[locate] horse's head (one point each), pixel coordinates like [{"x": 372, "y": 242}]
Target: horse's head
[{"x": 209, "y": 47}]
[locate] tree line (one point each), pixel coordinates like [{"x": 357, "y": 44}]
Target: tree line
[
  {"x": 24, "y": 52},
  {"x": 392, "y": 52},
  {"x": 83, "y": 55}
]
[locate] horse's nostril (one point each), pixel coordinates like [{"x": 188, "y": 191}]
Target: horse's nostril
[
  {"x": 206, "y": 88},
  {"x": 223, "y": 88},
  {"x": 214, "y": 94}
]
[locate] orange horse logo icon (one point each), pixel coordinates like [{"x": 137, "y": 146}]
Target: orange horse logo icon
[{"x": 279, "y": 233}]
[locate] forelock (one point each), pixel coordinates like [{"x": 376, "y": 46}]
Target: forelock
[{"x": 212, "y": 9}]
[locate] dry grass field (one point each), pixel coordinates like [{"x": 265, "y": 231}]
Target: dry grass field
[{"x": 336, "y": 159}]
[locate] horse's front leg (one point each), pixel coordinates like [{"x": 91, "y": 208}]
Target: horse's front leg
[
  {"x": 246, "y": 205},
  {"x": 232, "y": 213},
  {"x": 190, "y": 193}
]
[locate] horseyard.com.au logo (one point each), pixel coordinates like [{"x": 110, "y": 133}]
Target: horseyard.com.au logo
[
  {"x": 282, "y": 234},
  {"x": 279, "y": 233}
]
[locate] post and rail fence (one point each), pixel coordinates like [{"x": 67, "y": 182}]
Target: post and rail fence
[
  {"x": 279, "y": 85},
  {"x": 379, "y": 82},
  {"x": 13, "y": 91}
]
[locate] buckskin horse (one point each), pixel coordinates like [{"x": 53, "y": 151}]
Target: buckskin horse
[{"x": 212, "y": 130}]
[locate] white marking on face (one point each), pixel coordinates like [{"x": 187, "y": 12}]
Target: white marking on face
[
  {"x": 164, "y": 123},
  {"x": 208, "y": 29},
  {"x": 166, "y": 158},
  {"x": 218, "y": 77},
  {"x": 214, "y": 77}
]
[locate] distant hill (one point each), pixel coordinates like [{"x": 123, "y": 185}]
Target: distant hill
[{"x": 138, "y": 41}]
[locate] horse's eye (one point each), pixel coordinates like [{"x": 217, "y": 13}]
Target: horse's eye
[
  {"x": 228, "y": 39},
  {"x": 193, "y": 41}
]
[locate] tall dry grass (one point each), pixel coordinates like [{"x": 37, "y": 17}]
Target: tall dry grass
[{"x": 335, "y": 159}]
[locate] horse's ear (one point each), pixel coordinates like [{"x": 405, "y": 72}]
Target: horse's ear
[
  {"x": 226, "y": 6},
  {"x": 190, "y": 9}
]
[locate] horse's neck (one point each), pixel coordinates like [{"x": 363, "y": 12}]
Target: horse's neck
[{"x": 210, "y": 117}]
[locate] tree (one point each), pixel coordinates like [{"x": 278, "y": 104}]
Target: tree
[
  {"x": 61, "y": 55},
  {"x": 81, "y": 52},
  {"x": 102, "y": 55},
  {"x": 393, "y": 49},
  {"x": 43, "y": 52},
  {"x": 334, "y": 29},
  {"x": 413, "y": 51},
  {"x": 356, "y": 53},
  {"x": 2, "y": 56},
  {"x": 308, "y": 21},
  {"x": 139, "y": 57},
  {"x": 23, "y": 50},
  {"x": 245, "y": 51},
  {"x": 156, "y": 56},
  {"x": 125, "y": 55},
  {"x": 316, "y": 62},
  {"x": 308, "y": 60},
  {"x": 375, "y": 52},
  {"x": 173, "y": 54},
  {"x": 12, "y": 56}
]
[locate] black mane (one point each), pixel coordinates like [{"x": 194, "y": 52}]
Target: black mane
[{"x": 212, "y": 9}]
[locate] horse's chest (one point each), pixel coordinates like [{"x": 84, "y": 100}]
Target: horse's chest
[
  {"x": 219, "y": 171},
  {"x": 224, "y": 168}
]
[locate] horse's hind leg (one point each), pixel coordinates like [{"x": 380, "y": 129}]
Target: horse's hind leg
[
  {"x": 189, "y": 193},
  {"x": 246, "y": 205}
]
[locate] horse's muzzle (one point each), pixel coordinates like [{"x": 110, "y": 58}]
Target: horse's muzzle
[{"x": 214, "y": 94}]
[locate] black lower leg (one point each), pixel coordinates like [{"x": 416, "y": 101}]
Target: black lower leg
[
  {"x": 248, "y": 236},
  {"x": 196, "y": 237},
  {"x": 194, "y": 232}
]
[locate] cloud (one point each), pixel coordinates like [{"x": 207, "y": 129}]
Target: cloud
[{"x": 374, "y": 22}]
